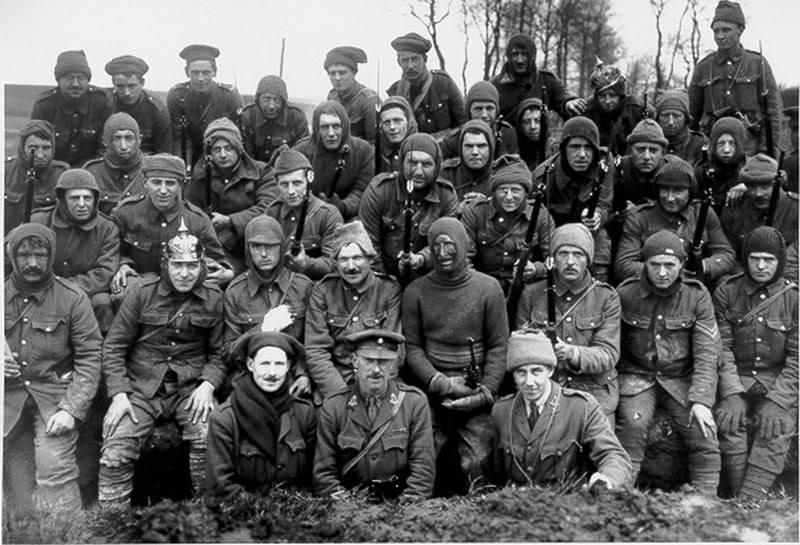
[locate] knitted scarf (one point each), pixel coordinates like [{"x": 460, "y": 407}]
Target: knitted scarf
[{"x": 258, "y": 413}]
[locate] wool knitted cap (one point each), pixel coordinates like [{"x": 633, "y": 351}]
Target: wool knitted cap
[
  {"x": 227, "y": 130},
  {"x": 422, "y": 141},
  {"x": 164, "y": 165},
  {"x": 348, "y": 55},
  {"x": 521, "y": 40},
  {"x": 484, "y": 91},
  {"x": 411, "y": 42},
  {"x": 119, "y": 121},
  {"x": 758, "y": 169},
  {"x": 606, "y": 77},
  {"x": 510, "y": 169},
  {"x": 663, "y": 242},
  {"x": 675, "y": 173},
  {"x": 581, "y": 126},
  {"x": 264, "y": 230},
  {"x": 273, "y": 85},
  {"x": 727, "y": 125},
  {"x": 730, "y": 12},
  {"x": 573, "y": 234},
  {"x": 528, "y": 347},
  {"x": 289, "y": 160},
  {"x": 352, "y": 233},
  {"x": 473, "y": 126},
  {"x": 765, "y": 239},
  {"x": 647, "y": 130},
  {"x": 126, "y": 64},
  {"x": 455, "y": 230},
  {"x": 69, "y": 62},
  {"x": 674, "y": 99}
]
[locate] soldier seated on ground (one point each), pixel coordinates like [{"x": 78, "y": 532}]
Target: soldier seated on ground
[
  {"x": 262, "y": 435},
  {"x": 377, "y": 434},
  {"x": 546, "y": 433}
]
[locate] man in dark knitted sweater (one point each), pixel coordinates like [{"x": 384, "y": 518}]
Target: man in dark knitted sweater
[{"x": 443, "y": 312}]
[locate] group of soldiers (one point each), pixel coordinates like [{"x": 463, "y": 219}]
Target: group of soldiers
[{"x": 419, "y": 296}]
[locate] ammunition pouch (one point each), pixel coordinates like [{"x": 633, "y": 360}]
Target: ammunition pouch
[{"x": 380, "y": 490}]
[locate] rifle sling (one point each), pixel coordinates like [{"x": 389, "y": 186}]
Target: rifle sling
[
  {"x": 375, "y": 438},
  {"x": 766, "y": 302}
]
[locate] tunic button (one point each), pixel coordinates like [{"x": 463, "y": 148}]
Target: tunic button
[
  {"x": 172, "y": 343},
  {"x": 48, "y": 329},
  {"x": 727, "y": 93},
  {"x": 25, "y": 300},
  {"x": 23, "y": 342},
  {"x": 758, "y": 339},
  {"x": 530, "y": 469},
  {"x": 658, "y": 337},
  {"x": 355, "y": 318},
  {"x": 760, "y": 318},
  {"x": 755, "y": 372},
  {"x": 505, "y": 253},
  {"x": 169, "y": 358},
  {"x": 177, "y": 330},
  {"x": 500, "y": 220},
  {"x": 569, "y": 339},
  {"x": 758, "y": 358},
  {"x": 23, "y": 363},
  {"x": 569, "y": 319},
  {"x": 24, "y": 320},
  {"x": 292, "y": 218},
  {"x": 65, "y": 263},
  {"x": 163, "y": 225},
  {"x": 659, "y": 317},
  {"x": 355, "y": 298},
  {"x": 569, "y": 379},
  {"x": 763, "y": 296},
  {"x": 27, "y": 383},
  {"x": 568, "y": 298}
]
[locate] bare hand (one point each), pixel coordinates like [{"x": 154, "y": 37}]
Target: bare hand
[
  {"x": 59, "y": 423},
  {"x": 576, "y": 106},
  {"x": 220, "y": 221},
  {"x": 11, "y": 369},
  {"x": 217, "y": 274},
  {"x": 702, "y": 415},
  {"x": 593, "y": 223},
  {"x": 120, "y": 406},
  {"x": 300, "y": 387},
  {"x": 735, "y": 195},
  {"x": 598, "y": 479},
  {"x": 296, "y": 263},
  {"x": 201, "y": 402},
  {"x": 120, "y": 279},
  {"x": 415, "y": 261},
  {"x": 459, "y": 388}
]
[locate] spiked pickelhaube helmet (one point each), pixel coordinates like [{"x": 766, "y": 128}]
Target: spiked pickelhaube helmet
[{"x": 184, "y": 247}]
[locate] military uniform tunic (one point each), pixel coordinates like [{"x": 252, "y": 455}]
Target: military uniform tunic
[
  {"x": 439, "y": 108},
  {"x": 740, "y": 221},
  {"x": 360, "y": 106},
  {"x": 152, "y": 116},
  {"x": 262, "y": 136},
  {"x": 115, "y": 183},
  {"x": 43, "y": 189}
]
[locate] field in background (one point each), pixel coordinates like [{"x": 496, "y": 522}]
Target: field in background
[{"x": 20, "y": 99}]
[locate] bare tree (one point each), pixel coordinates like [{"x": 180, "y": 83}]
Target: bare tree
[
  {"x": 677, "y": 43},
  {"x": 465, "y": 27},
  {"x": 431, "y": 21},
  {"x": 487, "y": 18},
  {"x": 658, "y": 10},
  {"x": 695, "y": 36}
]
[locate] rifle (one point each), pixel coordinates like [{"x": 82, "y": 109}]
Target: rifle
[
  {"x": 550, "y": 328},
  {"x": 207, "y": 164},
  {"x": 694, "y": 263},
  {"x": 764, "y": 99},
  {"x": 776, "y": 190},
  {"x": 337, "y": 173},
  {"x": 597, "y": 187},
  {"x": 516, "y": 287},
  {"x": 645, "y": 113},
  {"x": 408, "y": 220},
  {"x": 543, "y": 126},
  {"x": 378, "y": 158},
  {"x": 186, "y": 147},
  {"x": 30, "y": 183},
  {"x": 498, "y": 135},
  {"x": 473, "y": 378},
  {"x": 297, "y": 242}
]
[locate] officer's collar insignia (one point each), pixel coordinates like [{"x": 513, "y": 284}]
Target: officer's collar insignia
[
  {"x": 393, "y": 399},
  {"x": 353, "y": 401}
]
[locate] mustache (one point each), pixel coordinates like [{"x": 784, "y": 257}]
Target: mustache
[{"x": 32, "y": 269}]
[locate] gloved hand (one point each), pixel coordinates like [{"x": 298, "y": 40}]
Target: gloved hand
[
  {"x": 773, "y": 420},
  {"x": 470, "y": 402},
  {"x": 731, "y": 413},
  {"x": 694, "y": 266}
]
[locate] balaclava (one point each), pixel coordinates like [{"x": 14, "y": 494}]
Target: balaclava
[
  {"x": 455, "y": 230},
  {"x": 765, "y": 239},
  {"x": 40, "y": 234}
]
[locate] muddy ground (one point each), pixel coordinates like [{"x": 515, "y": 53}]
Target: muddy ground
[{"x": 511, "y": 514}]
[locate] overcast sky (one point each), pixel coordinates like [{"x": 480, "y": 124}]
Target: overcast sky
[{"x": 248, "y": 32}]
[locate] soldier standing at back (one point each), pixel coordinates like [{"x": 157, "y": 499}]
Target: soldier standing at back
[
  {"x": 151, "y": 114},
  {"x": 435, "y": 98},
  {"x": 791, "y": 162},
  {"x": 196, "y": 103},
  {"x": 34, "y": 164},
  {"x": 397, "y": 122},
  {"x": 469, "y": 171},
  {"x": 672, "y": 113},
  {"x": 731, "y": 80},
  {"x": 341, "y": 64},
  {"x": 271, "y": 121},
  {"x": 520, "y": 79},
  {"x": 76, "y": 109}
]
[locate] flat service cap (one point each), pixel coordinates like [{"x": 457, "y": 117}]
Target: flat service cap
[
  {"x": 376, "y": 343},
  {"x": 199, "y": 52},
  {"x": 126, "y": 64},
  {"x": 412, "y": 42}
]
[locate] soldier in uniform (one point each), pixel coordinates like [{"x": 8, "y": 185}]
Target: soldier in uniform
[
  {"x": 610, "y": 107},
  {"x": 87, "y": 242},
  {"x": 791, "y": 162},
  {"x": 51, "y": 369},
  {"x": 675, "y": 210},
  {"x": 147, "y": 222},
  {"x": 570, "y": 177},
  {"x": 271, "y": 121},
  {"x": 377, "y": 434},
  {"x": 34, "y": 161},
  {"x": 730, "y": 81},
  {"x": 262, "y": 435},
  {"x": 450, "y": 316},
  {"x": 670, "y": 349},
  {"x": 119, "y": 172},
  {"x": 397, "y": 122},
  {"x": 587, "y": 318},
  {"x": 154, "y": 372},
  {"x": 758, "y": 175},
  {"x": 314, "y": 252},
  {"x": 469, "y": 171},
  {"x": 341, "y": 64},
  {"x": 338, "y": 158},
  {"x": 520, "y": 79},
  {"x": 388, "y": 196},
  {"x": 129, "y": 96},
  {"x": 76, "y": 109},
  {"x": 230, "y": 186},
  {"x": 757, "y": 316},
  {"x": 496, "y": 225},
  {"x": 482, "y": 104},
  {"x": 546, "y": 433},
  {"x": 529, "y": 132},
  {"x": 195, "y": 103},
  {"x": 351, "y": 300},
  {"x": 672, "y": 113},
  {"x": 437, "y": 102},
  {"x": 726, "y": 157},
  {"x": 266, "y": 285}
]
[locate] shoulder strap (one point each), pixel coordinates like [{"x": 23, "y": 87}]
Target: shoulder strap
[
  {"x": 575, "y": 304},
  {"x": 378, "y": 434},
  {"x": 766, "y": 302},
  {"x": 154, "y": 332}
]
